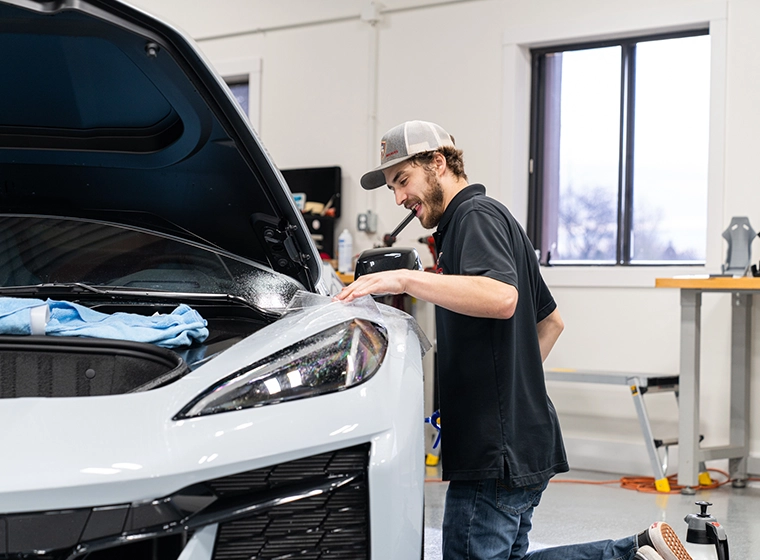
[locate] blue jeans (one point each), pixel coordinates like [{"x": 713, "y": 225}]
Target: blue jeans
[{"x": 484, "y": 520}]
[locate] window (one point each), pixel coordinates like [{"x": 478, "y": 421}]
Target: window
[
  {"x": 619, "y": 151},
  {"x": 243, "y": 76},
  {"x": 241, "y": 90}
]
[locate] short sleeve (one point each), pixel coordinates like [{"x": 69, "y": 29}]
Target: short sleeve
[
  {"x": 486, "y": 247},
  {"x": 545, "y": 303}
]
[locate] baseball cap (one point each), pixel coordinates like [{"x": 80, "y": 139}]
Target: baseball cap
[{"x": 401, "y": 143}]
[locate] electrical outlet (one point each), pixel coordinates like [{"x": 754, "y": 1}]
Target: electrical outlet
[
  {"x": 367, "y": 221},
  {"x": 362, "y": 222}
]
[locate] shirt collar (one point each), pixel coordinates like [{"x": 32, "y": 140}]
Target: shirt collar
[{"x": 465, "y": 194}]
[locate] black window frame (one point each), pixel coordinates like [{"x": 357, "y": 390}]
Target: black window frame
[{"x": 538, "y": 95}]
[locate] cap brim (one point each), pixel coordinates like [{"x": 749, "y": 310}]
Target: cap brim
[{"x": 375, "y": 178}]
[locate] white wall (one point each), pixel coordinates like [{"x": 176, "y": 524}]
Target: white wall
[{"x": 332, "y": 83}]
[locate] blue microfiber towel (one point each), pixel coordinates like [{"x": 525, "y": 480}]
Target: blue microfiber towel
[
  {"x": 181, "y": 327},
  {"x": 16, "y": 314}
]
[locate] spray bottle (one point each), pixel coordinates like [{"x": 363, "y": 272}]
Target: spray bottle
[
  {"x": 345, "y": 252},
  {"x": 705, "y": 539}
]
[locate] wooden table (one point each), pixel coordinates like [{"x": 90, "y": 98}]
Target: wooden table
[
  {"x": 345, "y": 278},
  {"x": 690, "y": 452}
]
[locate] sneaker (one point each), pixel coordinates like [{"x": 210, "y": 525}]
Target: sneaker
[
  {"x": 662, "y": 538},
  {"x": 647, "y": 553}
]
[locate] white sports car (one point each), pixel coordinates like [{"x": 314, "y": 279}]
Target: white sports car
[{"x": 284, "y": 425}]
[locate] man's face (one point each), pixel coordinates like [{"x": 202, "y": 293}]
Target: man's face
[{"x": 418, "y": 188}]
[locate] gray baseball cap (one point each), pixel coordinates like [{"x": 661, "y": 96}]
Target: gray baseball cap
[{"x": 401, "y": 143}]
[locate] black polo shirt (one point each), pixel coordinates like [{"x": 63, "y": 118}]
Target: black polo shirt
[{"x": 496, "y": 418}]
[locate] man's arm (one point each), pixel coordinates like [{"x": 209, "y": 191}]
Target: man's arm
[
  {"x": 549, "y": 330},
  {"x": 476, "y": 296}
]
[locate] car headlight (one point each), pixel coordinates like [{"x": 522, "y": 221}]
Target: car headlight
[{"x": 335, "y": 359}]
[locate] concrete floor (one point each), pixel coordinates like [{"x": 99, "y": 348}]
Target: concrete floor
[{"x": 573, "y": 513}]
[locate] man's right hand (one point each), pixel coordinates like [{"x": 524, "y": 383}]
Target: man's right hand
[{"x": 378, "y": 283}]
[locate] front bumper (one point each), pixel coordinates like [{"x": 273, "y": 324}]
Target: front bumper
[{"x": 307, "y": 508}]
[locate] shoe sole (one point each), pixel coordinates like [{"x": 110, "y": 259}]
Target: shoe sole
[
  {"x": 647, "y": 553},
  {"x": 666, "y": 542}
]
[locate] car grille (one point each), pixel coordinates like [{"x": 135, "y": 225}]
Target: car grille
[
  {"x": 311, "y": 508},
  {"x": 332, "y": 525}
]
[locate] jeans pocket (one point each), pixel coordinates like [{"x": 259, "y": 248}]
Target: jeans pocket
[{"x": 517, "y": 501}]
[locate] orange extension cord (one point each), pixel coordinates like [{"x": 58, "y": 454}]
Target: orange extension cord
[
  {"x": 646, "y": 483},
  {"x": 641, "y": 483}
]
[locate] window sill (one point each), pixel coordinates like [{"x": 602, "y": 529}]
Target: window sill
[{"x": 615, "y": 276}]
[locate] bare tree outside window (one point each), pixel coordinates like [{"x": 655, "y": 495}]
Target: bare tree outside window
[{"x": 619, "y": 143}]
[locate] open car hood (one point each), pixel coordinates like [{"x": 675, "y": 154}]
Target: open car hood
[{"x": 109, "y": 113}]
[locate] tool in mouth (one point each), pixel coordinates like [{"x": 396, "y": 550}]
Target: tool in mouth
[{"x": 405, "y": 222}]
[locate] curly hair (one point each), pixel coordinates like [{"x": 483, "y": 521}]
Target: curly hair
[{"x": 454, "y": 160}]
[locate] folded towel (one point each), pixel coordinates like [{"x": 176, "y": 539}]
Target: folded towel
[
  {"x": 181, "y": 327},
  {"x": 17, "y": 315}
]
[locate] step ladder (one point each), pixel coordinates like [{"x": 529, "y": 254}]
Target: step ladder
[{"x": 639, "y": 384}]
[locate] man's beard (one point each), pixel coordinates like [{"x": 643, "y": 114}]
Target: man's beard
[{"x": 432, "y": 202}]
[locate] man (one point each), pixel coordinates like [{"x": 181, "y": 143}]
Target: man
[{"x": 496, "y": 322}]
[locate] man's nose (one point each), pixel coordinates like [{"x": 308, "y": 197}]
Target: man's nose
[{"x": 400, "y": 197}]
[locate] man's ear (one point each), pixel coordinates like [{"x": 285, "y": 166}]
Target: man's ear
[{"x": 439, "y": 163}]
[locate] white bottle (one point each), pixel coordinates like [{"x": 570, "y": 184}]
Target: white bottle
[{"x": 345, "y": 252}]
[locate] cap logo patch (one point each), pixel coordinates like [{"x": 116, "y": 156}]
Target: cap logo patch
[{"x": 382, "y": 150}]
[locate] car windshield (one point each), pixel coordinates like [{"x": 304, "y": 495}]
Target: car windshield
[{"x": 52, "y": 250}]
